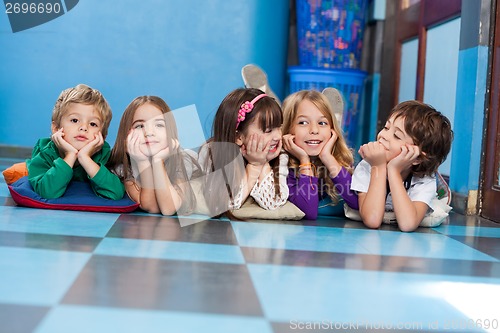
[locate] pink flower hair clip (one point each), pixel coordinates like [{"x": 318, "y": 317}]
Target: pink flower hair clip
[{"x": 247, "y": 107}]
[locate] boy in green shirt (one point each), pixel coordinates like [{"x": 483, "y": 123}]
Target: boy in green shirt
[{"x": 76, "y": 150}]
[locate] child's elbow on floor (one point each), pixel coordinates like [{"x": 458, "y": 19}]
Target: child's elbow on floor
[
  {"x": 407, "y": 227},
  {"x": 151, "y": 210},
  {"x": 372, "y": 222},
  {"x": 167, "y": 212}
]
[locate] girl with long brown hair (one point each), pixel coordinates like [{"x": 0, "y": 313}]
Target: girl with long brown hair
[{"x": 148, "y": 159}]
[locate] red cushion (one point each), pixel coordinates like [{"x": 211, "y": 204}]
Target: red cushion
[{"x": 78, "y": 196}]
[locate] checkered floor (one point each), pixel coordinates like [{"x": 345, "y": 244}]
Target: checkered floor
[{"x": 71, "y": 272}]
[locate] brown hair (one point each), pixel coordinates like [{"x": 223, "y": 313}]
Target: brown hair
[
  {"x": 430, "y": 130},
  {"x": 340, "y": 151},
  {"x": 83, "y": 94},
  {"x": 222, "y": 148},
  {"x": 266, "y": 110},
  {"x": 174, "y": 165}
]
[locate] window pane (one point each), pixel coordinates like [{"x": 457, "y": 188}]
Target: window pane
[
  {"x": 408, "y": 70},
  {"x": 440, "y": 84}
]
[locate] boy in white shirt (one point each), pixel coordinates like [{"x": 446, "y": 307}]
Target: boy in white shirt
[{"x": 398, "y": 170}]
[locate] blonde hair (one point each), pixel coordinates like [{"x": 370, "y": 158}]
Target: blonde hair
[
  {"x": 83, "y": 94},
  {"x": 340, "y": 151}
]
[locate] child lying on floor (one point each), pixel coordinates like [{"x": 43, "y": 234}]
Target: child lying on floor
[{"x": 398, "y": 171}]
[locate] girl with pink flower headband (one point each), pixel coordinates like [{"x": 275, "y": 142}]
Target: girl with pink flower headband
[{"x": 242, "y": 159}]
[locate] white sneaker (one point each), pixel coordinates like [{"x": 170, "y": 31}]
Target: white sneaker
[
  {"x": 254, "y": 77},
  {"x": 336, "y": 102}
]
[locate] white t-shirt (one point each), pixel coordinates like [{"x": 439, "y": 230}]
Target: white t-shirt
[{"x": 421, "y": 189}]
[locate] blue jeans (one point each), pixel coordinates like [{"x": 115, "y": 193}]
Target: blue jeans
[{"x": 327, "y": 208}]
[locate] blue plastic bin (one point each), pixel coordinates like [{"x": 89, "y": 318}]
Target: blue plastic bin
[
  {"x": 330, "y": 32},
  {"x": 350, "y": 82}
]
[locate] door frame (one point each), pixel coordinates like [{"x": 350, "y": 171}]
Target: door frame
[{"x": 490, "y": 189}]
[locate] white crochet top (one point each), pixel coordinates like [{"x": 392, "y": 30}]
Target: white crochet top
[{"x": 263, "y": 192}]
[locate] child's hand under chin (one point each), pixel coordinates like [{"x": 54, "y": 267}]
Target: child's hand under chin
[
  {"x": 408, "y": 157},
  {"x": 133, "y": 147},
  {"x": 256, "y": 150},
  {"x": 167, "y": 151},
  {"x": 92, "y": 147},
  {"x": 292, "y": 148},
  {"x": 64, "y": 147},
  {"x": 326, "y": 152},
  {"x": 373, "y": 153}
]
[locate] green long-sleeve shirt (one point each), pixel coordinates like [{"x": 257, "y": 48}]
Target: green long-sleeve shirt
[{"x": 49, "y": 174}]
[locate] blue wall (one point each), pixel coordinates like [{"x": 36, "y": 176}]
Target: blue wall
[{"x": 186, "y": 51}]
